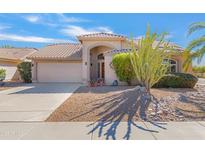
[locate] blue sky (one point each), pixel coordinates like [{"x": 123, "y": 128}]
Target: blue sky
[{"x": 38, "y": 30}]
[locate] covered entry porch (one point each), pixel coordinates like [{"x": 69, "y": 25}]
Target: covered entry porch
[{"x": 97, "y": 63}]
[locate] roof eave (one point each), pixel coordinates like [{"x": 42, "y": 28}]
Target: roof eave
[
  {"x": 11, "y": 60},
  {"x": 54, "y": 58}
]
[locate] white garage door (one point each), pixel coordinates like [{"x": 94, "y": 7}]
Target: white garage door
[
  {"x": 59, "y": 72},
  {"x": 10, "y": 70}
]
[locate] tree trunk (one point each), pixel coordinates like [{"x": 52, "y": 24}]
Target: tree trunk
[
  {"x": 129, "y": 83},
  {"x": 145, "y": 101}
]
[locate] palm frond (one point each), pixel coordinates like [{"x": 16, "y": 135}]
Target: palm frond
[
  {"x": 195, "y": 27},
  {"x": 189, "y": 57},
  {"x": 199, "y": 54},
  {"x": 196, "y": 43}
]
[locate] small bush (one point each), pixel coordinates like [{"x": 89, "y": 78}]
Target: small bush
[
  {"x": 2, "y": 74},
  {"x": 177, "y": 80},
  {"x": 123, "y": 68},
  {"x": 198, "y": 69},
  {"x": 24, "y": 69}
]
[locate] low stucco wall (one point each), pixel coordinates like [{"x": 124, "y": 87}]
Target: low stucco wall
[{"x": 12, "y": 73}]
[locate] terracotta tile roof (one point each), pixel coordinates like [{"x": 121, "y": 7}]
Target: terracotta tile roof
[
  {"x": 115, "y": 51},
  {"x": 62, "y": 51},
  {"x": 16, "y": 53},
  {"x": 101, "y": 35},
  {"x": 171, "y": 44}
]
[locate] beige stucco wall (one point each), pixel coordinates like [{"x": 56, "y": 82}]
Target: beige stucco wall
[
  {"x": 12, "y": 73},
  {"x": 180, "y": 60},
  {"x": 34, "y": 70}
]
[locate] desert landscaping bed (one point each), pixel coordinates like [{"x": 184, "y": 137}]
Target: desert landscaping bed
[{"x": 120, "y": 103}]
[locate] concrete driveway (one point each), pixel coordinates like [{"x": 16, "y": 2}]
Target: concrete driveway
[{"x": 33, "y": 102}]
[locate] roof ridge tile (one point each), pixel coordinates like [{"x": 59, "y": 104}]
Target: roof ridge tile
[{"x": 55, "y": 44}]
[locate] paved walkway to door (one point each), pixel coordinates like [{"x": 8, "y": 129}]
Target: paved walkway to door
[
  {"x": 88, "y": 131},
  {"x": 201, "y": 81},
  {"x": 33, "y": 102}
]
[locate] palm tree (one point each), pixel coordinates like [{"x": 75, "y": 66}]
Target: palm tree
[{"x": 197, "y": 44}]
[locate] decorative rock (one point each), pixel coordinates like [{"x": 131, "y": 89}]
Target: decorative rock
[{"x": 159, "y": 112}]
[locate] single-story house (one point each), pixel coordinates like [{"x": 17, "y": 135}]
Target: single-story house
[
  {"x": 10, "y": 58},
  {"x": 90, "y": 59}
]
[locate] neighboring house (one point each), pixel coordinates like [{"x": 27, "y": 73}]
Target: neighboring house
[
  {"x": 10, "y": 58},
  {"x": 87, "y": 60}
]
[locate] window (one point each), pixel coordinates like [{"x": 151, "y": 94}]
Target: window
[{"x": 172, "y": 65}]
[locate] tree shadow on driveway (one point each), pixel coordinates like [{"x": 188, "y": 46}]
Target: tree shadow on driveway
[{"x": 121, "y": 107}]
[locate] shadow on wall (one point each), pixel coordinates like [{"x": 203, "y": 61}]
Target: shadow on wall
[{"x": 123, "y": 106}]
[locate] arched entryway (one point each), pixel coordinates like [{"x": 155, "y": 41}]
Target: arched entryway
[{"x": 97, "y": 62}]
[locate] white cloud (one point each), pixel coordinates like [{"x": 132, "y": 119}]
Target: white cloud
[
  {"x": 32, "y": 18},
  {"x": 64, "y": 18},
  {"x": 104, "y": 29},
  {"x": 40, "y": 19},
  {"x": 51, "y": 20},
  {"x": 77, "y": 30},
  {"x": 36, "y": 39},
  {"x": 2, "y": 27},
  {"x": 139, "y": 37},
  {"x": 168, "y": 36}
]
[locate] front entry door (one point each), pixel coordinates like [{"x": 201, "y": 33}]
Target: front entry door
[{"x": 101, "y": 69}]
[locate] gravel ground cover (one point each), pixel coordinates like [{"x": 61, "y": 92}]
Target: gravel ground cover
[{"x": 122, "y": 103}]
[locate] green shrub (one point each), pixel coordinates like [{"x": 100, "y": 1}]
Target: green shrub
[
  {"x": 24, "y": 69},
  {"x": 198, "y": 69},
  {"x": 2, "y": 74},
  {"x": 123, "y": 68},
  {"x": 177, "y": 80}
]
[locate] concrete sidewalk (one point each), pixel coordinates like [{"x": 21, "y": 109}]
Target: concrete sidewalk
[{"x": 93, "y": 131}]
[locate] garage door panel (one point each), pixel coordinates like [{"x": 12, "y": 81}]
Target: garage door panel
[{"x": 59, "y": 72}]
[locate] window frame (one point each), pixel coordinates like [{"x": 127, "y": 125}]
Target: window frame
[{"x": 170, "y": 65}]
